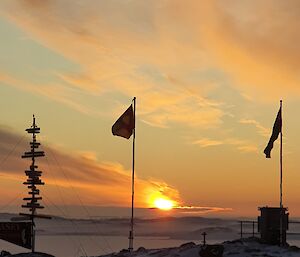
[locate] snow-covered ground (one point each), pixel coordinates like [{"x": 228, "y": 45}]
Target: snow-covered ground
[
  {"x": 78, "y": 237},
  {"x": 237, "y": 248},
  {"x": 29, "y": 255},
  {"x": 250, "y": 247}
]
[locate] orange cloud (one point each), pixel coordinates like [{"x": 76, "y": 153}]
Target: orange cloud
[
  {"x": 73, "y": 175},
  {"x": 57, "y": 93},
  {"x": 116, "y": 54},
  {"x": 261, "y": 129},
  {"x": 206, "y": 142},
  {"x": 254, "y": 42},
  {"x": 201, "y": 209},
  {"x": 241, "y": 145}
]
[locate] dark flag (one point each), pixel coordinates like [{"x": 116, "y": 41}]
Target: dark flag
[
  {"x": 124, "y": 126},
  {"x": 276, "y": 130}
]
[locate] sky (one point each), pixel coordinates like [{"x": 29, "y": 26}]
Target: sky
[{"x": 208, "y": 77}]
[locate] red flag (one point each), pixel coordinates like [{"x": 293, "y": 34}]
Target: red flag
[{"x": 124, "y": 126}]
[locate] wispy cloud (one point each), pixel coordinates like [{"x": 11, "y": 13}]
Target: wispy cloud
[
  {"x": 242, "y": 145},
  {"x": 55, "y": 92},
  {"x": 123, "y": 52},
  {"x": 248, "y": 148},
  {"x": 239, "y": 144},
  {"x": 206, "y": 142},
  {"x": 79, "y": 174},
  {"x": 249, "y": 46},
  {"x": 201, "y": 209},
  {"x": 133, "y": 49},
  {"x": 79, "y": 178},
  {"x": 261, "y": 129}
]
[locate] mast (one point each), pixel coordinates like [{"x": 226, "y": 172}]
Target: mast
[
  {"x": 131, "y": 235},
  {"x": 33, "y": 180},
  {"x": 281, "y": 204}
]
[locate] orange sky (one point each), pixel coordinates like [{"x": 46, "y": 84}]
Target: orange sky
[{"x": 208, "y": 77}]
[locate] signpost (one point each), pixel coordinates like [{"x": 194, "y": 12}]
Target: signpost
[
  {"x": 23, "y": 233},
  {"x": 33, "y": 181}
]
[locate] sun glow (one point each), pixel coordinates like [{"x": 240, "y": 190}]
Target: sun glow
[{"x": 163, "y": 204}]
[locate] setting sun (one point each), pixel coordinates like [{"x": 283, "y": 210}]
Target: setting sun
[{"x": 163, "y": 204}]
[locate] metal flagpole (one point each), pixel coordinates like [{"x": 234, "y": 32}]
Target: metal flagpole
[
  {"x": 281, "y": 205},
  {"x": 130, "y": 248}
]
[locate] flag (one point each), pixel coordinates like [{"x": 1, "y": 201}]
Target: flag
[
  {"x": 124, "y": 126},
  {"x": 276, "y": 130}
]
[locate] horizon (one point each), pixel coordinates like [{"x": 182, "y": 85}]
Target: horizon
[
  {"x": 208, "y": 78},
  {"x": 117, "y": 212}
]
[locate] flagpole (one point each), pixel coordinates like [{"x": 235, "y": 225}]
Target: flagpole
[
  {"x": 130, "y": 248},
  {"x": 281, "y": 205}
]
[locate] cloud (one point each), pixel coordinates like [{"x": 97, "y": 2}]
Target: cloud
[
  {"x": 70, "y": 175},
  {"x": 55, "y": 92},
  {"x": 205, "y": 142},
  {"x": 128, "y": 50},
  {"x": 187, "y": 111},
  {"x": 201, "y": 209},
  {"x": 134, "y": 49},
  {"x": 248, "y": 148},
  {"x": 241, "y": 145},
  {"x": 256, "y": 43},
  {"x": 80, "y": 179},
  {"x": 261, "y": 129}
]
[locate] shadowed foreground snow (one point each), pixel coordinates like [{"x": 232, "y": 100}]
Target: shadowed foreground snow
[
  {"x": 237, "y": 248},
  {"x": 30, "y": 255}
]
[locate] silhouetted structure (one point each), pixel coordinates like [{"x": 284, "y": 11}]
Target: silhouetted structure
[
  {"x": 269, "y": 223},
  {"x": 204, "y": 238},
  {"x": 33, "y": 181},
  {"x": 125, "y": 127}
]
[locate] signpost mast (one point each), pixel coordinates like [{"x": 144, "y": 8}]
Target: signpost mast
[{"x": 33, "y": 181}]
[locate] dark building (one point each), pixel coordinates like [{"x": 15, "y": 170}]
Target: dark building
[{"x": 269, "y": 225}]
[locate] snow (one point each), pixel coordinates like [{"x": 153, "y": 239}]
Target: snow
[
  {"x": 30, "y": 255},
  {"x": 238, "y": 248},
  {"x": 250, "y": 247}
]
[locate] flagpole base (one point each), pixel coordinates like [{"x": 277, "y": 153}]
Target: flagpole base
[{"x": 130, "y": 248}]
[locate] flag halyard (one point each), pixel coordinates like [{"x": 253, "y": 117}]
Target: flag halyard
[
  {"x": 124, "y": 126},
  {"x": 277, "y": 127}
]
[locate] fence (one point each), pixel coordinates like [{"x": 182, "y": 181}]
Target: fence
[
  {"x": 254, "y": 228},
  {"x": 249, "y": 223}
]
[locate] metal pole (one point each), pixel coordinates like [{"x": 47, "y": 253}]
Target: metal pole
[
  {"x": 281, "y": 205},
  {"x": 204, "y": 238},
  {"x": 241, "y": 229},
  {"x": 32, "y": 210},
  {"x": 130, "y": 248},
  {"x": 33, "y": 235}
]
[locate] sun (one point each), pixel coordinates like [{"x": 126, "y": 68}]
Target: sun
[{"x": 163, "y": 204}]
